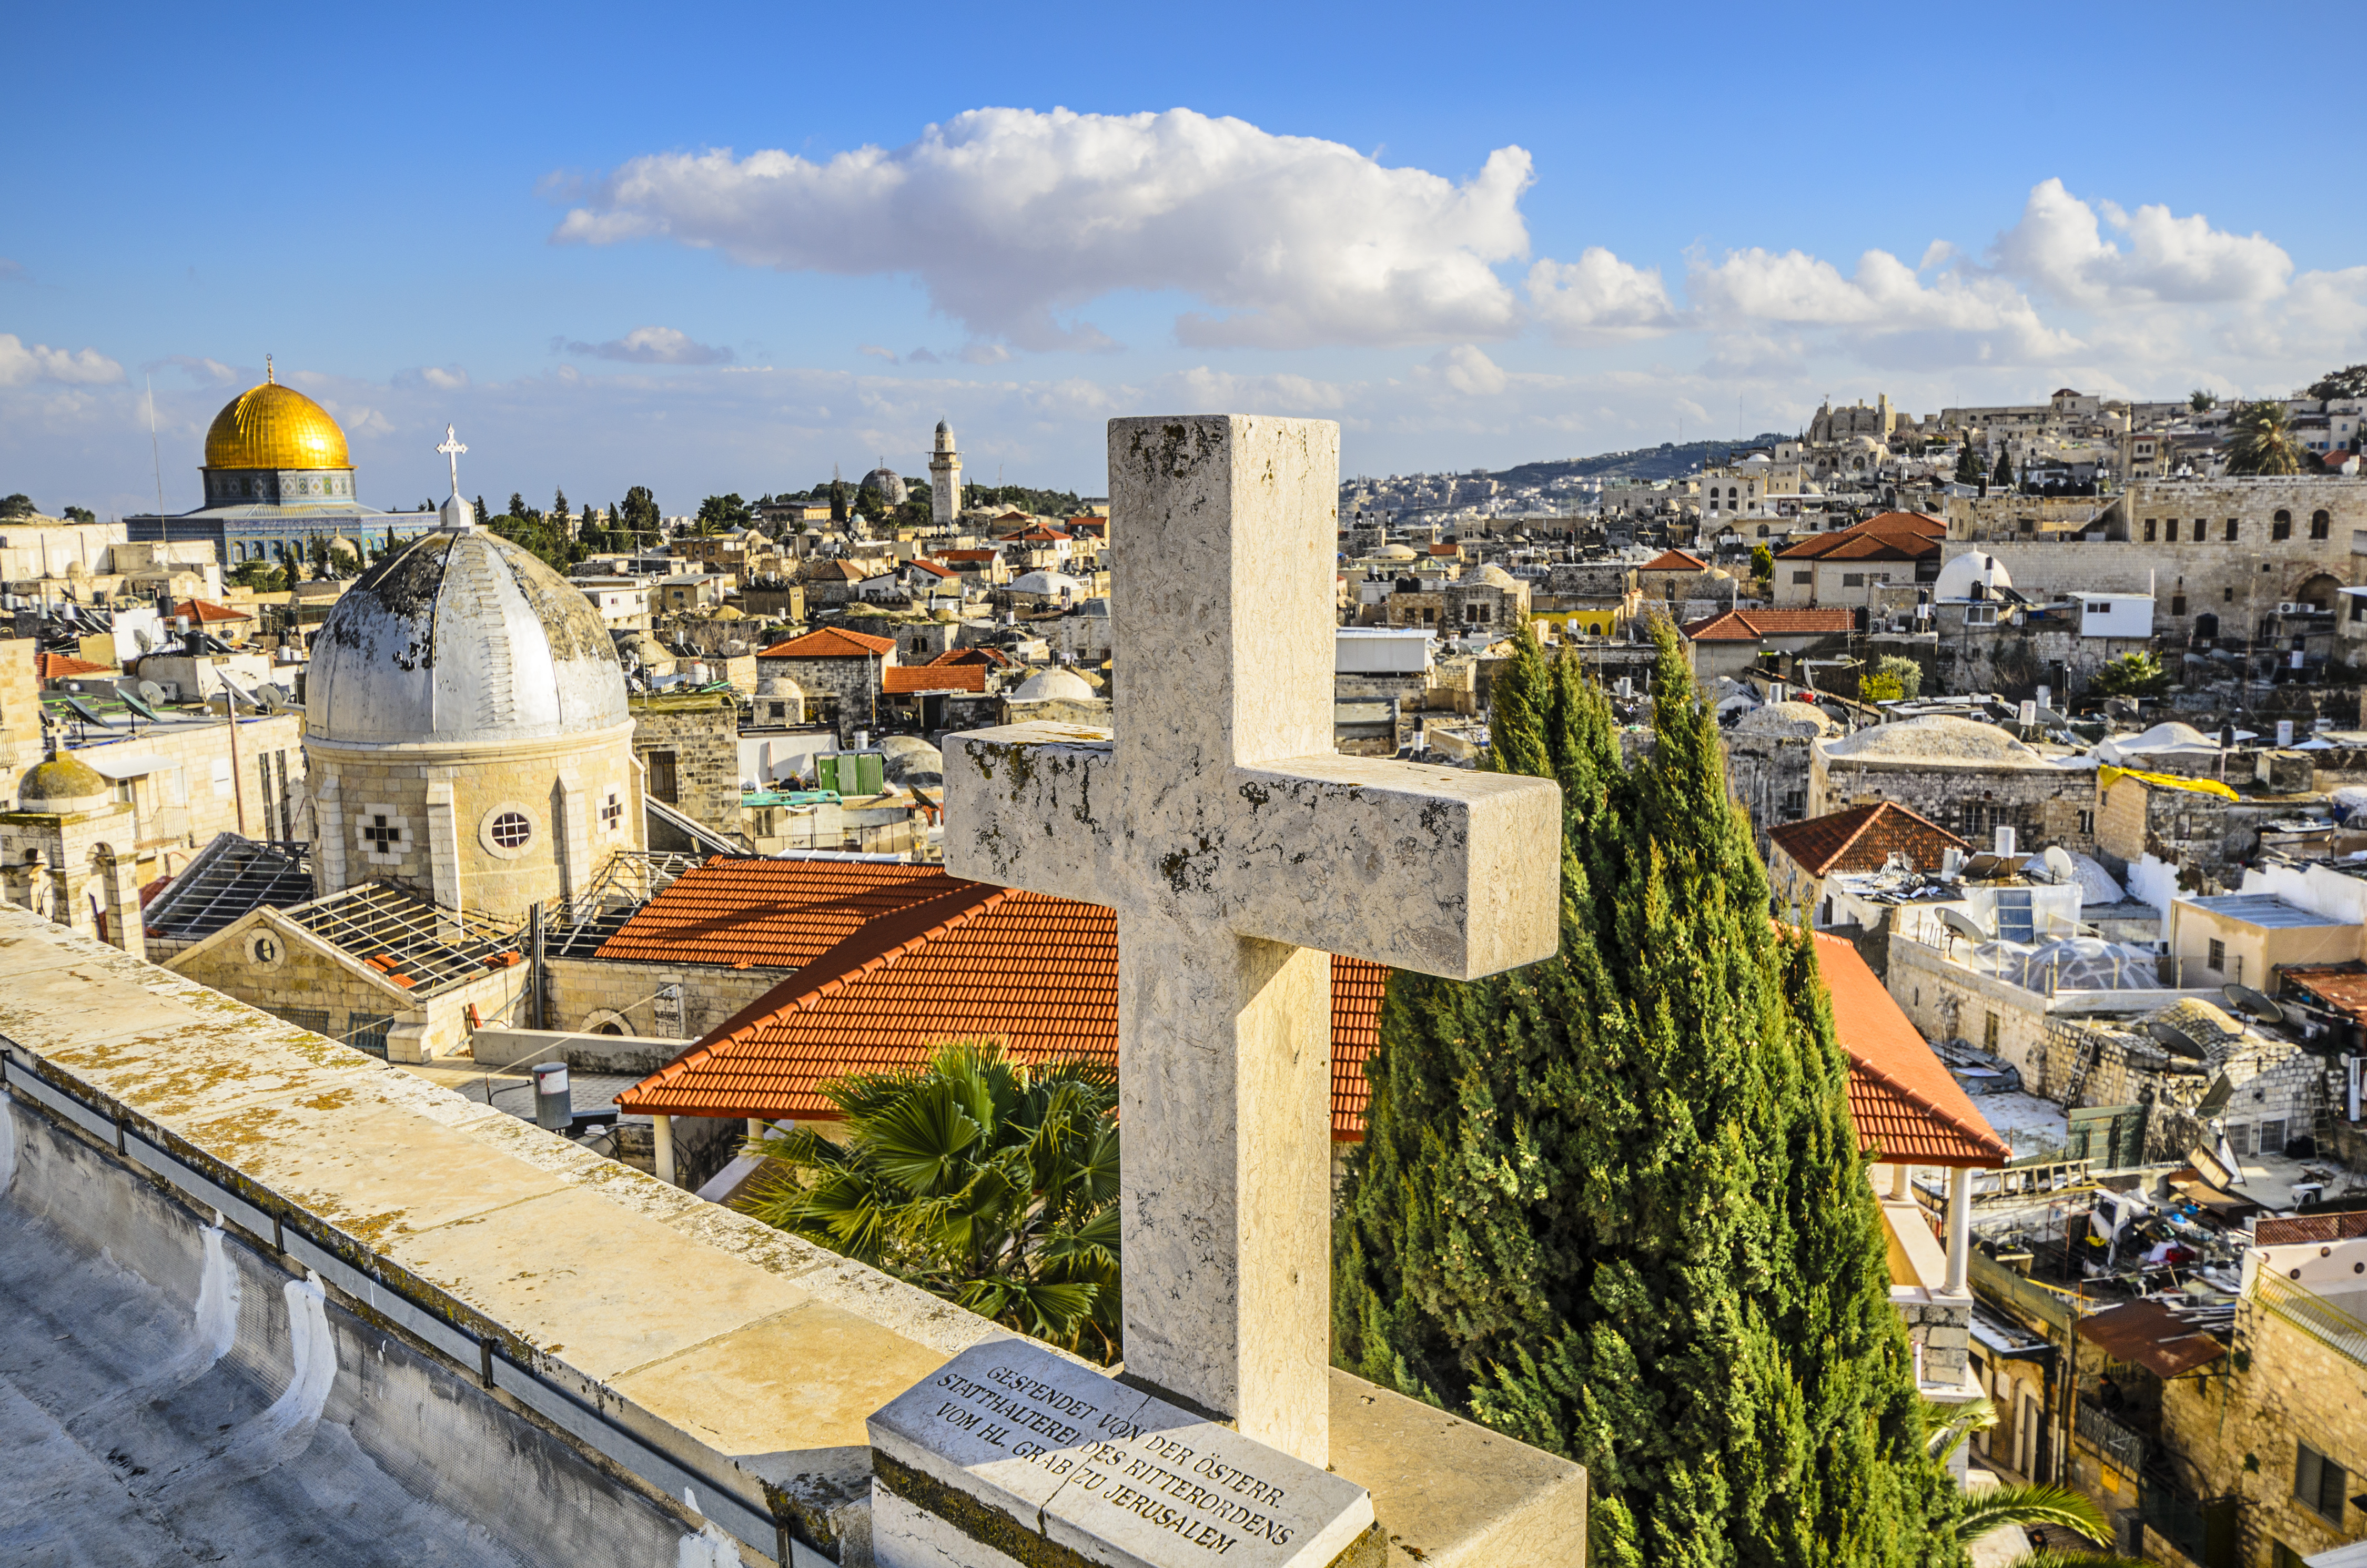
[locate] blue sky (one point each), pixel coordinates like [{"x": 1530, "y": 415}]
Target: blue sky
[{"x": 723, "y": 249}]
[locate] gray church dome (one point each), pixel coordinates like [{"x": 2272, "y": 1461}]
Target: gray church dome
[
  {"x": 886, "y": 484},
  {"x": 462, "y": 638}
]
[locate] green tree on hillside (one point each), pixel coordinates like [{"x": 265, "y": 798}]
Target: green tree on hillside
[
  {"x": 18, "y": 506},
  {"x": 80, "y": 515},
  {"x": 1762, "y": 563},
  {"x": 721, "y": 514},
  {"x": 2201, "y": 402},
  {"x": 2349, "y": 381},
  {"x": 2002, "y": 475},
  {"x": 1611, "y": 1203},
  {"x": 1970, "y": 470},
  {"x": 2261, "y": 440},
  {"x": 639, "y": 518}
]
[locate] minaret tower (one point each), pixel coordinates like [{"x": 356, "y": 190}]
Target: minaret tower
[{"x": 945, "y": 479}]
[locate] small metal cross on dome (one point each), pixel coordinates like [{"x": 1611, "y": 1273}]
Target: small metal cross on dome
[{"x": 452, "y": 448}]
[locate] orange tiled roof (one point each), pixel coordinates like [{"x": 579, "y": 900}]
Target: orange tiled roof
[
  {"x": 766, "y": 913},
  {"x": 972, "y": 557},
  {"x": 830, "y": 642},
  {"x": 57, "y": 667},
  {"x": 1863, "y": 837},
  {"x": 1674, "y": 560},
  {"x": 994, "y": 656},
  {"x": 903, "y": 680},
  {"x": 204, "y": 610},
  {"x": 1039, "y": 971},
  {"x": 1902, "y": 1099},
  {"x": 1894, "y": 536},
  {"x": 934, "y": 568},
  {"x": 1751, "y": 625}
]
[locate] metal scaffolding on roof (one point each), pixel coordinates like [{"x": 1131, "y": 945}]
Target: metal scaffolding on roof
[
  {"x": 419, "y": 945},
  {"x": 231, "y": 879}
]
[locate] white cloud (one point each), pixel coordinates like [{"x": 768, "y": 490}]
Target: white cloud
[
  {"x": 653, "y": 346},
  {"x": 1598, "y": 296},
  {"x": 1015, "y": 219},
  {"x": 1469, "y": 371},
  {"x": 2059, "y": 248},
  {"x": 83, "y": 367},
  {"x": 438, "y": 378},
  {"x": 1884, "y": 312},
  {"x": 876, "y": 352}
]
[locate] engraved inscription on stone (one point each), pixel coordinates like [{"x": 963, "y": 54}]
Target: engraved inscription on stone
[{"x": 1112, "y": 1472}]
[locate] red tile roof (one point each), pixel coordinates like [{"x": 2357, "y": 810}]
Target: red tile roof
[
  {"x": 1902, "y": 1098},
  {"x": 1039, "y": 973},
  {"x": 204, "y": 610},
  {"x": 766, "y": 913},
  {"x": 1446, "y": 549},
  {"x": 839, "y": 572},
  {"x": 1891, "y": 536},
  {"x": 1751, "y": 625},
  {"x": 1863, "y": 838},
  {"x": 57, "y": 667},
  {"x": 969, "y": 557},
  {"x": 931, "y": 567},
  {"x": 830, "y": 642},
  {"x": 994, "y": 656},
  {"x": 1674, "y": 560},
  {"x": 902, "y": 679}
]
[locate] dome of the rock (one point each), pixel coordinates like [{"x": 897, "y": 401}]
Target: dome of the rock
[{"x": 272, "y": 426}]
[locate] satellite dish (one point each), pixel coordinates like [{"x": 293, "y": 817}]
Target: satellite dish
[
  {"x": 2214, "y": 1099},
  {"x": 143, "y": 640},
  {"x": 2060, "y": 867},
  {"x": 149, "y": 692},
  {"x": 272, "y": 697},
  {"x": 1963, "y": 925},
  {"x": 2175, "y": 1040},
  {"x": 2253, "y": 1003}
]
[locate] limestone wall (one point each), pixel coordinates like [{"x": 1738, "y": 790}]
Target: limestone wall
[
  {"x": 2239, "y": 1433},
  {"x": 701, "y": 732},
  {"x": 2042, "y": 804},
  {"x": 846, "y": 690},
  {"x": 195, "y": 795},
  {"x": 584, "y": 994}
]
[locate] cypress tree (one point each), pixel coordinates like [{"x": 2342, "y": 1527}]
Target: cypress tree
[{"x": 1611, "y": 1204}]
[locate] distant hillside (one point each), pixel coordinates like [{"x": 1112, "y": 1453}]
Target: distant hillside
[{"x": 1666, "y": 460}]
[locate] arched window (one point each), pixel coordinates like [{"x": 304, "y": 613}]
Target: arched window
[
  {"x": 2206, "y": 627},
  {"x": 2320, "y": 524},
  {"x": 2281, "y": 525}
]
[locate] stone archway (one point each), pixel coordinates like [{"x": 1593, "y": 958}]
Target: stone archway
[{"x": 2318, "y": 591}]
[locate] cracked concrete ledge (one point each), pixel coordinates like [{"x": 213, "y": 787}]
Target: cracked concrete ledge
[{"x": 743, "y": 1352}]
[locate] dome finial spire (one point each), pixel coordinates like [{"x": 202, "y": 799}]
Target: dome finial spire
[
  {"x": 459, "y": 515},
  {"x": 270, "y": 376}
]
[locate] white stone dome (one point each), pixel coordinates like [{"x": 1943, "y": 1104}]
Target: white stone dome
[
  {"x": 1957, "y": 577},
  {"x": 1800, "y": 718},
  {"x": 1394, "y": 553},
  {"x": 1052, "y": 683},
  {"x": 1938, "y": 737},
  {"x": 1495, "y": 576},
  {"x": 461, "y": 639},
  {"x": 780, "y": 685},
  {"x": 1048, "y": 583}
]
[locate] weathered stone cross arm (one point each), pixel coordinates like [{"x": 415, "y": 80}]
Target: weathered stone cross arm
[{"x": 1432, "y": 870}]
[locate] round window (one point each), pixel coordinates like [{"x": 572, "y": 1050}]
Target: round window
[
  {"x": 266, "y": 950},
  {"x": 511, "y": 830}
]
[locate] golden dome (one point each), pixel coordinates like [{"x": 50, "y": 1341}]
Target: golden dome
[{"x": 275, "y": 427}]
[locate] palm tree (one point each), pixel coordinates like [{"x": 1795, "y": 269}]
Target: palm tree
[
  {"x": 1984, "y": 1513},
  {"x": 2262, "y": 440},
  {"x": 977, "y": 1178}
]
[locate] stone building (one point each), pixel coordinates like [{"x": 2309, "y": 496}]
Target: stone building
[
  {"x": 1849, "y": 568},
  {"x": 1734, "y": 643},
  {"x": 66, "y": 852},
  {"x": 1970, "y": 778},
  {"x": 688, "y": 746},
  {"x": 2219, "y": 555},
  {"x": 839, "y": 671},
  {"x": 945, "y": 479},
  {"x": 2270, "y": 1449},
  {"x": 466, "y": 730},
  {"x": 277, "y": 478},
  {"x": 1801, "y": 855},
  {"x": 1767, "y": 762}
]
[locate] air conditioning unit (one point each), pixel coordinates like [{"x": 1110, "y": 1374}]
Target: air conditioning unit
[{"x": 2293, "y": 610}]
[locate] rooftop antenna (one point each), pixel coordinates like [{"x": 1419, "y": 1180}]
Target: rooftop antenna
[{"x": 157, "y": 462}]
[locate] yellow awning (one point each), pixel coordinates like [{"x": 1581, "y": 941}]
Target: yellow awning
[{"x": 2105, "y": 775}]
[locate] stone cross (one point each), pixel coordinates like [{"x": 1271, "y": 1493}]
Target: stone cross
[
  {"x": 1240, "y": 850},
  {"x": 452, "y": 448}
]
